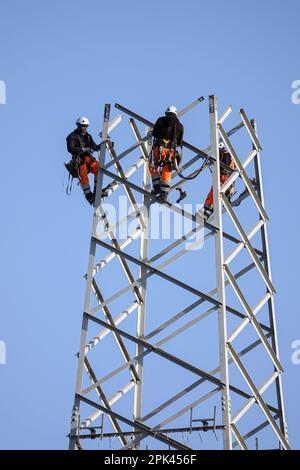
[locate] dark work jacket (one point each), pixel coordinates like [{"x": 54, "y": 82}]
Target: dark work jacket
[
  {"x": 225, "y": 158},
  {"x": 76, "y": 140},
  {"x": 168, "y": 127}
]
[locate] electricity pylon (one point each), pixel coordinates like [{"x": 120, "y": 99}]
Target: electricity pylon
[{"x": 135, "y": 400}]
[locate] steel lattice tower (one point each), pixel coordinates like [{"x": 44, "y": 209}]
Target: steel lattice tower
[{"x": 238, "y": 397}]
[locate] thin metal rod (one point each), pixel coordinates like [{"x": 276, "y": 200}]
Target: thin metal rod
[{"x": 220, "y": 278}]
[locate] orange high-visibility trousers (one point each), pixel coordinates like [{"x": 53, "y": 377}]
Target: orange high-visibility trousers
[
  {"x": 209, "y": 201},
  {"x": 161, "y": 174},
  {"x": 89, "y": 165}
]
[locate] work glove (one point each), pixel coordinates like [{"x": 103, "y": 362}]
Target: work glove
[
  {"x": 86, "y": 150},
  {"x": 97, "y": 148}
]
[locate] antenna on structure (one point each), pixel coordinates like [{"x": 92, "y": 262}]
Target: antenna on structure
[{"x": 240, "y": 375}]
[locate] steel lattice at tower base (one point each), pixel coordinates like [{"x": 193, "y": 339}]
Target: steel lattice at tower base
[{"x": 179, "y": 346}]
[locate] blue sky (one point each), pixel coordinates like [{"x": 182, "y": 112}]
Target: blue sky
[{"x": 63, "y": 59}]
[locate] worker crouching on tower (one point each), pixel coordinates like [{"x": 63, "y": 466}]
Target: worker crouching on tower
[
  {"x": 80, "y": 144},
  {"x": 225, "y": 158},
  {"x": 168, "y": 135}
]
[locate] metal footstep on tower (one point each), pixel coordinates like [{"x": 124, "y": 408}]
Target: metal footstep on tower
[{"x": 120, "y": 398}]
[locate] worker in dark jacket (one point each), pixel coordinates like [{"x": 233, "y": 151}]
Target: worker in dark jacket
[
  {"x": 80, "y": 144},
  {"x": 225, "y": 158},
  {"x": 168, "y": 135}
]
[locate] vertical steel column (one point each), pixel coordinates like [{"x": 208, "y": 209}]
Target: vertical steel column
[
  {"x": 222, "y": 321},
  {"x": 88, "y": 290},
  {"x": 141, "y": 314},
  {"x": 271, "y": 303}
]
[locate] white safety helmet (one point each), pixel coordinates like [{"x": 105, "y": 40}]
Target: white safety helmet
[
  {"x": 82, "y": 121},
  {"x": 171, "y": 109},
  {"x": 222, "y": 146}
]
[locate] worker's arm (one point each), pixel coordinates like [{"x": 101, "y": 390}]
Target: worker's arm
[
  {"x": 180, "y": 137},
  {"x": 93, "y": 145},
  {"x": 157, "y": 129}
]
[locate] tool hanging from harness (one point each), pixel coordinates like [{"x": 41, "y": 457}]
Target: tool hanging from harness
[{"x": 73, "y": 168}]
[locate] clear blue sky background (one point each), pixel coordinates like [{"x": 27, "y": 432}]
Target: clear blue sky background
[{"x": 61, "y": 59}]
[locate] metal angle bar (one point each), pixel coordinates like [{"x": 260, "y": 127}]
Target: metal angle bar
[
  {"x": 186, "y": 326},
  {"x": 141, "y": 314},
  {"x": 248, "y": 245},
  {"x": 118, "y": 338},
  {"x": 243, "y": 174},
  {"x": 114, "y": 123},
  {"x": 138, "y": 137},
  {"x": 250, "y": 130},
  {"x": 104, "y": 262},
  {"x": 252, "y": 400},
  {"x": 119, "y": 252},
  {"x": 100, "y": 336},
  {"x": 116, "y": 397},
  {"x": 220, "y": 278},
  {"x": 175, "y": 208},
  {"x": 126, "y": 152},
  {"x": 129, "y": 217},
  {"x": 241, "y": 245},
  {"x": 258, "y": 397},
  {"x": 190, "y": 106},
  {"x": 245, "y": 322},
  {"x": 132, "y": 169},
  {"x": 136, "y": 424},
  {"x": 234, "y": 176},
  {"x": 255, "y": 323},
  {"x": 175, "y": 416},
  {"x": 126, "y": 188},
  {"x": 102, "y": 396},
  {"x": 238, "y": 437},
  {"x": 225, "y": 114},
  {"x": 255, "y": 430}
]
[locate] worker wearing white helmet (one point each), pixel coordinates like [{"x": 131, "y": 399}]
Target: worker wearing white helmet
[
  {"x": 80, "y": 144},
  {"x": 168, "y": 135},
  {"x": 226, "y": 159}
]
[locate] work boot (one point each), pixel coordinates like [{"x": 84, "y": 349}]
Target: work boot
[
  {"x": 163, "y": 197},
  {"x": 208, "y": 211},
  {"x": 156, "y": 190},
  {"x": 90, "y": 197},
  {"x": 104, "y": 193}
]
